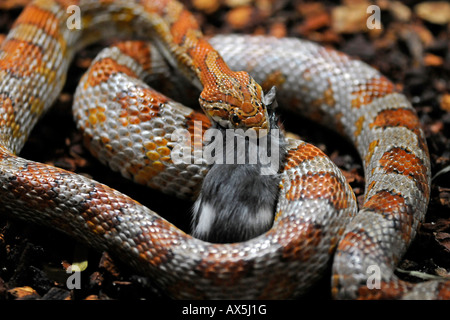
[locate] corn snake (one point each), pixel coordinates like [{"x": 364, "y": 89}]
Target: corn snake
[{"x": 211, "y": 271}]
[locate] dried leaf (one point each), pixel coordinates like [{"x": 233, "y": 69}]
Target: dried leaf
[
  {"x": 400, "y": 11},
  {"x": 445, "y": 102},
  {"x": 434, "y": 11},
  {"x": 23, "y": 292},
  {"x": 431, "y": 60},
  {"x": 442, "y": 272},
  {"x": 443, "y": 238},
  {"x": 350, "y": 19},
  {"x": 107, "y": 263},
  {"x": 240, "y": 17},
  {"x": 207, "y": 6},
  {"x": 10, "y": 4}
]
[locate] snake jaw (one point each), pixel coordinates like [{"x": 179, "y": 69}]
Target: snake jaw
[
  {"x": 236, "y": 103},
  {"x": 234, "y": 119},
  {"x": 223, "y": 122},
  {"x": 261, "y": 116}
]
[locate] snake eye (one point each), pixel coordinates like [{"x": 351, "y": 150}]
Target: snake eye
[{"x": 235, "y": 119}]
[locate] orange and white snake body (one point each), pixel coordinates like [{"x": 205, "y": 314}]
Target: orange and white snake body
[{"x": 128, "y": 125}]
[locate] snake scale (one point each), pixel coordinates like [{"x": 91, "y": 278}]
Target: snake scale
[{"x": 128, "y": 125}]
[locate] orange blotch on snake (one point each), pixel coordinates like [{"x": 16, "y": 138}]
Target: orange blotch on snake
[
  {"x": 103, "y": 69},
  {"x": 327, "y": 99},
  {"x": 375, "y": 88},
  {"x": 93, "y": 226},
  {"x": 97, "y": 115},
  {"x": 224, "y": 273},
  {"x": 396, "y": 117},
  {"x": 282, "y": 285},
  {"x": 159, "y": 243},
  {"x": 104, "y": 139},
  {"x": 382, "y": 201},
  {"x": 66, "y": 3},
  {"x": 144, "y": 117},
  {"x": 183, "y": 27},
  {"x": 370, "y": 151},
  {"x": 145, "y": 175},
  {"x": 163, "y": 151},
  {"x": 137, "y": 50},
  {"x": 160, "y": 141},
  {"x": 135, "y": 168},
  {"x": 356, "y": 239},
  {"x": 123, "y": 121},
  {"x": 37, "y": 105},
  {"x": 134, "y": 120},
  {"x": 403, "y": 162},
  {"x": 359, "y": 126},
  {"x": 320, "y": 185},
  {"x": 390, "y": 290},
  {"x": 303, "y": 152},
  {"x": 16, "y": 55},
  {"x": 92, "y": 119},
  {"x": 141, "y": 109},
  {"x": 443, "y": 290},
  {"x": 401, "y": 117},
  {"x": 340, "y": 126},
  {"x": 303, "y": 246},
  {"x": 393, "y": 207},
  {"x": 157, "y": 165},
  {"x": 41, "y": 18},
  {"x": 152, "y": 155},
  {"x": 6, "y": 106},
  {"x": 150, "y": 145}
]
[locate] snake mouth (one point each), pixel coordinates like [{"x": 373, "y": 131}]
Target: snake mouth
[
  {"x": 261, "y": 130},
  {"x": 224, "y": 123},
  {"x": 229, "y": 114}
]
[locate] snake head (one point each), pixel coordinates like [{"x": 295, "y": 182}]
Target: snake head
[{"x": 236, "y": 101}]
